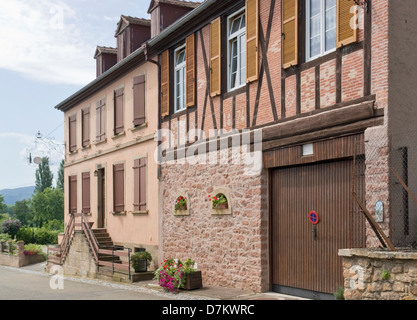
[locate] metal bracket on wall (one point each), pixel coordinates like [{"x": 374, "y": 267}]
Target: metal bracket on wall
[{"x": 375, "y": 226}]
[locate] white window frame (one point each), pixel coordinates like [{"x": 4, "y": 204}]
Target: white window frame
[
  {"x": 240, "y": 36},
  {"x": 183, "y": 85},
  {"x": 323, "y": 50}
]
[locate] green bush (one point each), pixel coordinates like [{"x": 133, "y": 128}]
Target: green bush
[
  {"x": 25, "y": 234},
  {"x": 38, "y": 235}
]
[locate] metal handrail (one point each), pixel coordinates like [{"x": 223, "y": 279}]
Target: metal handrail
[{"x": 114, "y": 251}]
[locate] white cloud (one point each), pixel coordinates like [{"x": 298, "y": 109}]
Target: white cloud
[{"x": 43, "y": 40}]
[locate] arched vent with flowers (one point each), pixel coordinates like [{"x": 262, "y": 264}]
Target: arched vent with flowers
[
  {"x": 181, "y": 205},
  {"x": 220, "y": 201}
]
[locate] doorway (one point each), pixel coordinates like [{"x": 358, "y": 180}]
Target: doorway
[{"x": 101, "y": 198}]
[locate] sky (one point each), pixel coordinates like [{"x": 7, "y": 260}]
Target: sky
[{"x": 47, "y": 54}]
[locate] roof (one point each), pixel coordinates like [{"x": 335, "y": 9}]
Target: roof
[
  {"x": 197, "y": 15},
  {"x": 179, "y": 3},
  {"x": 101, "y": 50},
  {"x": 125, "y": 21}
]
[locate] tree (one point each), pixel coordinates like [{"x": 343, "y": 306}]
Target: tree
[
  {"x": 23, "y": 212},
  {"x": 3, "y": 206},
  {"x": 48, "y": 205},
  {"x": 60, "y": 180},
  {"x": 44, "y": 176}
]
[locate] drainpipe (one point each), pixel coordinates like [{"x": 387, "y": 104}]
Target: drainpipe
[{"x": 157, "y": 63}]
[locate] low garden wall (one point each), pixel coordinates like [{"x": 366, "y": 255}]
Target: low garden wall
[
  {"x": 18, "y": 258},
  {"x": 379, "y": 275}
]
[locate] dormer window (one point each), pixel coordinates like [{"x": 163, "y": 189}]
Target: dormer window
[{"x": 180, "y": 81}]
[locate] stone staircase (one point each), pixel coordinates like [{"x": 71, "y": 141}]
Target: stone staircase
[{"x": 105, "y": 242}]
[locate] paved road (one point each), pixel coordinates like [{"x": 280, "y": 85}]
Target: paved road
[{"x": 23, "y": 284}]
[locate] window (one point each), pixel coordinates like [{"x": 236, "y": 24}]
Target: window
[
  {"x": 86, "y": 192},
  {"x": 237, "y": 51},
  {"x": 180, "y": 85},
  {"x": 85, "y": 118},
  {"x": 119, "y": 188},
  {"x": 118, "y": 111},
  {"x": 72, "y": 194},
  {"x": 101, "y": 120},
  {"x": 321, "y": 27},
  {"x": 139, "y": 100},
  {"x": 72, "y": 133},
  {"x": 139, "y": 169}
]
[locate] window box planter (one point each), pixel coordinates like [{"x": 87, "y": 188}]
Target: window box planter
[{"x": 193, "y": 281}]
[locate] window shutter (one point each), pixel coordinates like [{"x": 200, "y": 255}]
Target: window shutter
[
  {"x": 252, "y": 38},
  {"x": 215, "y": 57},
  {"x": 100, "y": 120},
  {"x": 86, "y": 192},
  {"x": 72, "y": 133},
  {"x": 140, "y": 184},
  {"x": 165, "y": 83},
  {"x": 290, "y": 33},
  {"x": 118, "y": 111},
  {"x": 139, "y": 100},
  {"x": 346, "y": 18},
  {"x": 118, "y": 187},
  {"x": 73, "y": 194},
  {"x": 86, "y": 127},
  {"x": 190, "y": 67}
]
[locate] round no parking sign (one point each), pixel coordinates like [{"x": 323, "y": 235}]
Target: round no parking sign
[{"x": 313, "y": 217}]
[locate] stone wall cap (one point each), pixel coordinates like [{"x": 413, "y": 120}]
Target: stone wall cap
[{"x": 379, "y": 254}]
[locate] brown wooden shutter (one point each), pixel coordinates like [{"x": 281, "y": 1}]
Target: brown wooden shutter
[
  {"x": 215, "y": 57},
  {"x": 139, "y": 169},
  {"x": 86, "y": 127},
  {"x": 346, "y": 19},
  {"x": 101, "y": 120},
  {"x": 86, "y": 192},
  {"x": 72, "y": 133},
  {"x": 190, "y": 67},
  {"x": 290, "y": 33},
  {"x": 252, "y": 40},
  {"x": 118, "y": 111},
  {"x": 165, "y": 83},
  {"x": 73, "y": 194},
  {"x": 119, "y": 187},
  {"x": 139, "y": 100}
]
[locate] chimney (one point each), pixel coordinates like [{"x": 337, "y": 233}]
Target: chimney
[
  {"x": 166, "y": 12},
  {"x": 131, "y": 33},
  {"x": 105, "y": 59}
]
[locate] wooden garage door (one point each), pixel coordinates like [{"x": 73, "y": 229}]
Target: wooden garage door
[{"x": 305, "y": 256}]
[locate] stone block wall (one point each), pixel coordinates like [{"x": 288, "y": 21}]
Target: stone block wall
[
  {"x": 79, "y": 261},
  {"x": 379, "y": 275},
  {"x": 230, "y": 249}
]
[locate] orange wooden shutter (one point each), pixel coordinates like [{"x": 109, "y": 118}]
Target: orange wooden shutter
[
  {"x": 165, "y": 83},
  {"x": 290, "y": 33},
  {"x": 252, "y": 38},
  {"x": 347, "y": 31},
  {"x": 215, "y": 57},
  {"x": 190, "y": 67}
]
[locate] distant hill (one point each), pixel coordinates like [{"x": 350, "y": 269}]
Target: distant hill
[{"x": 18, "y": 194}]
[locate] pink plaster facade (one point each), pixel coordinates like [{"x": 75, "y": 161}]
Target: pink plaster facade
[{"x": 129, "y": 228}]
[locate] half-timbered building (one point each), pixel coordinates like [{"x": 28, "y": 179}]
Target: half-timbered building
[{"x": 305, "y": 84}]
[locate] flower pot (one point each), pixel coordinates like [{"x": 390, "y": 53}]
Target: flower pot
[
  {"x": 222, "y": 206},
  {"x": 193, "y": 281},
  {"x": 184, "y": 207},
  {"x": 141, "y": 265}
]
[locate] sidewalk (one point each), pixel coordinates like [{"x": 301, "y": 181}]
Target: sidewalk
[{"x": 205, "y": 293}]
